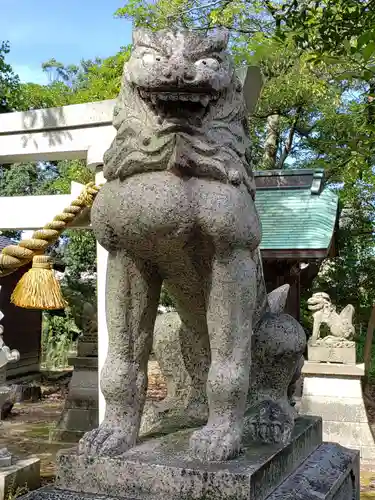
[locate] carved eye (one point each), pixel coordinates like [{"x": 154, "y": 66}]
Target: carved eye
[
  {"x": 208, "y": 62},
  {"x": 151, "y": 58}
]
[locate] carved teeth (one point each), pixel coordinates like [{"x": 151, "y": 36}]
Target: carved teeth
[
  {"x": 205, "y": 100},
  {"x": 155, "y": 97},
  {"x": 195, "y": 97}
]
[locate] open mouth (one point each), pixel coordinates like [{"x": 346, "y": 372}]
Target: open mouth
[{"x": 178, "y": 104}]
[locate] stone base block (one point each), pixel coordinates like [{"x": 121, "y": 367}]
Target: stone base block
[
  {"x": 162, "y": 467},
  {"x": 338, "y": 399},
  {"x": 73, "y": 424},
  {"x": 20, "y": 477},
  {"x": 81, "y": 409},
  {"x": 332, "y": 354},
  {"x": 331, "y": 472}
]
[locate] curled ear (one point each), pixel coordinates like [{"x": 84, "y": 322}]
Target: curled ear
[
  {"x": 142, "y": 36},
  {"x": 221, "y": 38},
  {"x": 277, "y": 299},
  {"x": 210, "y": 42},
  {"x": 252, "y": 83}
]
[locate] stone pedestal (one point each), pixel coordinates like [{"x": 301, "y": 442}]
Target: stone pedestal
[
  {"x": 81, "y": 409},
  {"x": 162, "y": 468},
  {"x": 19, "y": 477},
  {"x": 81, "y": 412},
  {"x": 334, "y": 392},
  {"x": 342, "y": 353}
]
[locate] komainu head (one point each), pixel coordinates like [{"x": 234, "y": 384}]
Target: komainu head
[
  {"x": 179, "y": 74},
  {"x": 181, "y": 108}
]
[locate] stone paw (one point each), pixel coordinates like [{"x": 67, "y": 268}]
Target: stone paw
[
  {"x": 106, "y": 441},
  {"x": 271, "y": 424},
  {"x": 214, "y": 443}
]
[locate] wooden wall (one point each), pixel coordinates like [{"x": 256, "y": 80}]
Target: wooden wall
[
  {"x": 279, "y": 272},
  {"x": 22, "y": 329}
]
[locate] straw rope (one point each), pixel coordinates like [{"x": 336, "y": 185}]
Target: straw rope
[{"x": 13, "y": 257}]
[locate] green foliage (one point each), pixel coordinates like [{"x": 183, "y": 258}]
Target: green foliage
[
  {"x": 80, "y": 252},
  {"x": 35, "y": 96},
  {"x": 100, "y": 79},
  {"x": 57, "y": 341},
  {"x": 8, "y": 81},
  {"x": 165, "y": 299},
  {"x": 95, "y": 80},
  {"x": 333, "y": 30},
  {"x": 350, "y": 277},
  {"x": 60, "y": 176},
  {"x": 243, "y": 17}
]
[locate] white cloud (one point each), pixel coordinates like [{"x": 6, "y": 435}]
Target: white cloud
[{"x": 29, "y": 74}]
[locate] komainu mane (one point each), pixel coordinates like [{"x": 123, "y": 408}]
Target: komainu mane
[
  {"x": 180, "y": 108},
  {"x": 179, "y": 208}
]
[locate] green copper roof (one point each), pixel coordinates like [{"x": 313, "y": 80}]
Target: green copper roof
[{"x": 296, "y": 218}]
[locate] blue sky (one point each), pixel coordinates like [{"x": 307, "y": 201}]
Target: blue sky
[{"x": 68, "y": 30}]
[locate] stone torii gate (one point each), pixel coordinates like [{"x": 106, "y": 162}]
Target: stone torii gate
[{"x": 79, "y": 131}]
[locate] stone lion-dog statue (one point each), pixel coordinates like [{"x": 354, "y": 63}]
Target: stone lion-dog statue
[{"x": 178, "y": 207}]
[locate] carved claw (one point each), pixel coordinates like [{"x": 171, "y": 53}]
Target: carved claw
[
  {"x": 216, "y": 442},
  {"x": 106, "y": 441}
]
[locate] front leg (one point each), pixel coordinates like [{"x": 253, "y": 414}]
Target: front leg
[
  {"x": 230, "y": 310},
  {"x": 132, "y": 294},
  {"x": 316, "y": 329}
]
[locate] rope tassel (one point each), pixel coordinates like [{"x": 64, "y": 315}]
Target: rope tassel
[{"x": 39, "y": 288}]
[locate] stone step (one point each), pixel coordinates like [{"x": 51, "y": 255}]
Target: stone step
[{"x": 330, "y": 473}]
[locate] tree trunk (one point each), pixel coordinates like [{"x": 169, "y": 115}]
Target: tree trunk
[{"x": 271, "y": 144}]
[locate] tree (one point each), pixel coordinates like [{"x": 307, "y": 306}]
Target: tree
[
  {"x": 8, "y": 81},
  {"x": 310, "y": 115},
  {"x": 332, "y": 30},
  {"x": 76, "y": 250}
]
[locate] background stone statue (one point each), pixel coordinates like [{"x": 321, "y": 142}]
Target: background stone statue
[
  {"x": 178, "y": 207},
  {"x": 324, "y": 312}
]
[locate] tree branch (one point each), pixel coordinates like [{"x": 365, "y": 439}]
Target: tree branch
[
  {"x": 367, "y": 6},
  {"x": 289, "y": 142},
  {"x": 209, "y": 5}
]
